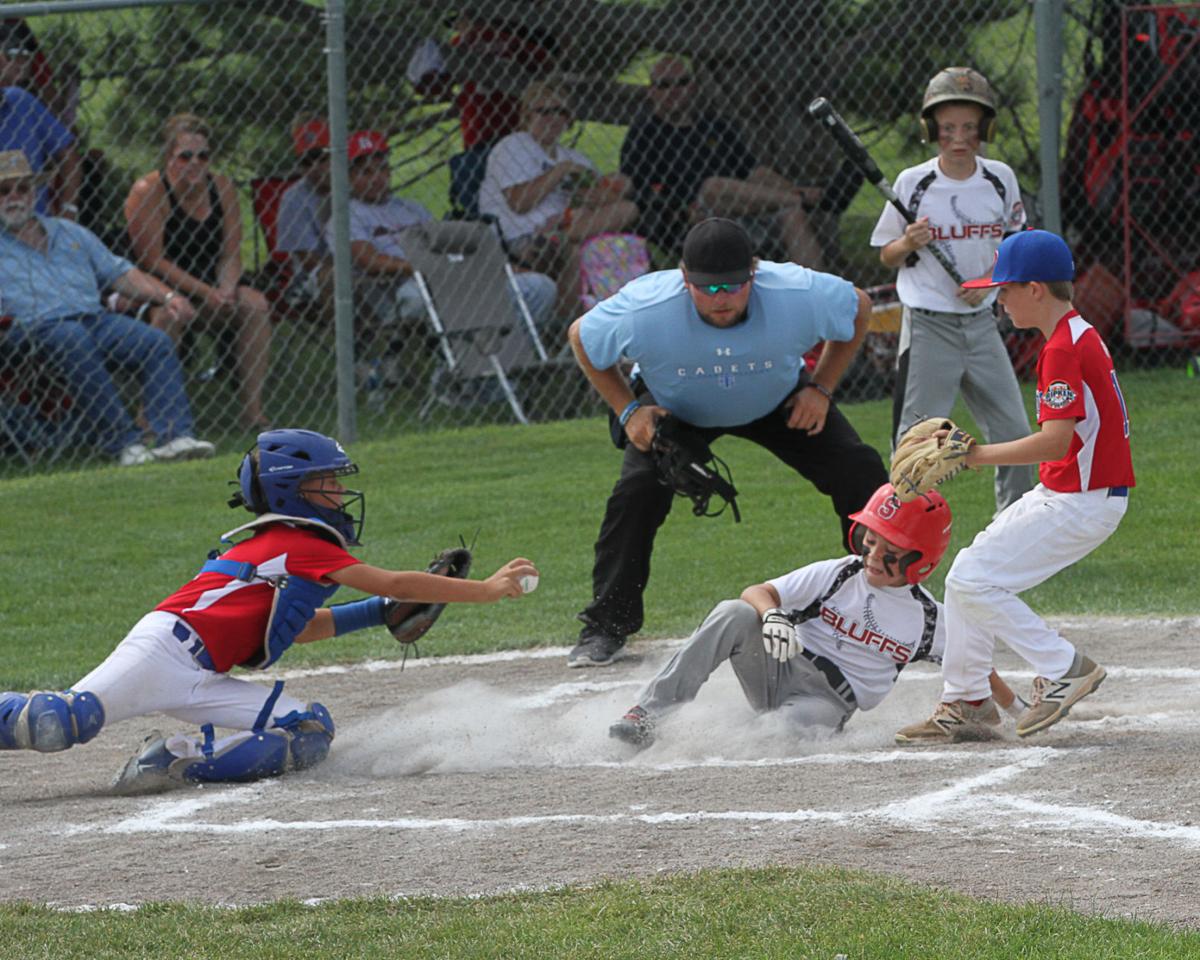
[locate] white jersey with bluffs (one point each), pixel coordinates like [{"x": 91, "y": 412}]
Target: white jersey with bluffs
[
  {"x": 870, "y": 633},
  {"x": 968, "y": 218}
]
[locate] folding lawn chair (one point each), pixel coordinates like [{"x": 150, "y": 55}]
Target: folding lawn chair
[{"x": 469, "y": 289}]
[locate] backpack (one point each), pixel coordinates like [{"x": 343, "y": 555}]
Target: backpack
[{"x": 607, "y": 262}]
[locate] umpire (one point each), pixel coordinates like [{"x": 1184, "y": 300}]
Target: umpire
[{"x": 720, "y": 344}]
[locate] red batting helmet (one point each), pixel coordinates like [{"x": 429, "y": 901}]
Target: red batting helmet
[{"x": 921, "y": 526}]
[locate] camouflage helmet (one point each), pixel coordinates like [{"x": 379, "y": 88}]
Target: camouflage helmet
[{"x": 958, "y": 84}]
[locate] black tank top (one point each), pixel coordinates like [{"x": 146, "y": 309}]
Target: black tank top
[{"x": 195, "y": 245}]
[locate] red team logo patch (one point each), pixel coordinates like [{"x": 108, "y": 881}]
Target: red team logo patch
[{"x": 1058, "y": 395}]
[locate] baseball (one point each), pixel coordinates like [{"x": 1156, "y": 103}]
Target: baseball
[{"x": 528, "y": 583}]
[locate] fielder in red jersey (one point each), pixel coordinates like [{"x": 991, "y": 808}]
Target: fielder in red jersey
[{"x": 1086, "y": 473}]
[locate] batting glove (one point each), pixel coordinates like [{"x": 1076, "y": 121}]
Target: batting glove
[{"x": 780, "y": 639}]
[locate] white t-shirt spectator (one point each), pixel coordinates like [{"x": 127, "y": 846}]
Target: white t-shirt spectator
[
  {"x": 381, "y": 224},
  {"x": 515, "y": 159}
]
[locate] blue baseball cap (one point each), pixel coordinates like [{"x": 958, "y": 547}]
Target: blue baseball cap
[{"x": 1030, "y": 255}]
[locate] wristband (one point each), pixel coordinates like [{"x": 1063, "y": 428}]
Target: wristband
[
  {"x": 823, "y": 391},
  {"x": 629, "y": 411}
]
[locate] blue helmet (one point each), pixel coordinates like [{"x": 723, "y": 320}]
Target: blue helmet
[{"x": 272, "y": 470}]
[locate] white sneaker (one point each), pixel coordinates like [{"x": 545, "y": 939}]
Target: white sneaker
[
  {"x": 134, "y": 455},
  {"x": 184, "y": 448}
]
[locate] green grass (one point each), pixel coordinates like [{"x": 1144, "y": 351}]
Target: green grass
[
  {"x": 772, "y": 913},
  {"x": 97, "y": 548}
]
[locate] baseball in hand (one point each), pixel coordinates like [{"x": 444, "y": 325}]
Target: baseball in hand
[{"x": 528, "y": 583}]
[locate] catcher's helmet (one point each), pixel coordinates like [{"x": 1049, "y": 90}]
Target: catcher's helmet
[
  {"x": 272, "y": 470},
  {"x": 921, "y": 526},
  {"x": 958, "y": 85}
]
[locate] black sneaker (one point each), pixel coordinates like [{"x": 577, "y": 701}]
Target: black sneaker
[
  {"x": 635, "y": 728},
  {"x": 596, "y": 649}
]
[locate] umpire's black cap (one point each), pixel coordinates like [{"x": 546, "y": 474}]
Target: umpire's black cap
[{"x": 717, "y": 251}]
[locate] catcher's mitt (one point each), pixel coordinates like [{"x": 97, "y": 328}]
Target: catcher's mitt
[
  {"x": 688, "y": 466},
  {"x": 409, "y": 621},
  {"x": 923, "y": 460}
]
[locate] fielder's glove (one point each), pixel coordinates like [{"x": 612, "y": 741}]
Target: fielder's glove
[
  {"x": 923, "y": 460},
  {"x": 409, "y": 621},
  {"x": 780, "y": 639}
]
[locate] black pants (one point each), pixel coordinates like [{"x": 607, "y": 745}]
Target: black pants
[{"x": 836, "y": 461}]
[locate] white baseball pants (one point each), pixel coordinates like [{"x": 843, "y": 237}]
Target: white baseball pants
[{"x": 1028, "y": 543}]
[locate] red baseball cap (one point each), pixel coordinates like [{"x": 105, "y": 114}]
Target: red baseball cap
[
  {"x": 310, "y": 136},
  {"x": 363, "y": 143}
]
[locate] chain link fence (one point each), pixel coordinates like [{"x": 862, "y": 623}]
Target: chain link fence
[{"x": 508, "y": 164}]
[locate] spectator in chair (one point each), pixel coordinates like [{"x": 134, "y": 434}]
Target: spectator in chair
[
  {"x": 185, "y": 226},
  {"x": 383, "y": 275},
  {"x": 51, "y": 275},
  {"x": 548, "y": 198},
  {"x": 304, "y": 210},
  {"x": 687, "y": 165},
  {"x": 27, "y": 124}
]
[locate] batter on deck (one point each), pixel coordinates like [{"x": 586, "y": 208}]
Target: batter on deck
[{"x": 966, "y": 204}]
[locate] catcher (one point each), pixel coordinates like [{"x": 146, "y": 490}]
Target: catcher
[{"x": 245, "y": 608}]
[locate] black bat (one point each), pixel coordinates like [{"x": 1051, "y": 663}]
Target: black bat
[{"x": 822, "y": 110}]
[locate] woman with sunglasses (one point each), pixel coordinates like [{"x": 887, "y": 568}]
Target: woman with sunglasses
[
  {"x": 185, "y": 226},
  {"x": 548, "y": 198}
]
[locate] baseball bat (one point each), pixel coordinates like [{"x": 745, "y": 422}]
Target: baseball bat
[{"x": 822, "y": 111}]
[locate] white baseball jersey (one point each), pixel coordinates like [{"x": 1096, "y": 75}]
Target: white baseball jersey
[
  {"x": 968, "y": 218},
  {"x": 870, "y": 633}
]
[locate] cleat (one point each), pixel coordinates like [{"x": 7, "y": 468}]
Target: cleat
[
  {"x": 1053, "y": 699},
  {"x": 147, "y": 771},
  {"x": 596, "y": 649},
  {"x": 635, "y": 728},
  {"x": 956, "y": 722}
]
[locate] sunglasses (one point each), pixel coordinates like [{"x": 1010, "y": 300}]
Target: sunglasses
[
  {"x": 712, "y": 289},
  {"x": 18, "y": 188},
  {"x": 187, "y": 156},
  {"x": 671, "y": 84},
  {"x": 552, "y": 111},
  {"x": 314, "y": 156}
]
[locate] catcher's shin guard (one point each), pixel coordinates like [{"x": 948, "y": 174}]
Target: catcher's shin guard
[
  {"x": 48, "y": 722},
  {"x": 297, "y": 741}
]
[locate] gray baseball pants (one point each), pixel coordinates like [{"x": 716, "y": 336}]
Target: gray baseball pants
[
  {"x": 733, "y": 632},
  {"x": 942, "y": 354}
]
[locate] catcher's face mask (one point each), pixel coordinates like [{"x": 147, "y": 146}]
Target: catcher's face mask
[{"x": 342, "y": 508}]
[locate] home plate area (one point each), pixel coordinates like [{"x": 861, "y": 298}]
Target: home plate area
[{"x": 478, "y": 775}]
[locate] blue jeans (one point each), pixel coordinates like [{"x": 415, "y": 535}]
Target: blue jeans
[
  {"x": 80, "y": 347},
  {"x": 539, "y": 292}
]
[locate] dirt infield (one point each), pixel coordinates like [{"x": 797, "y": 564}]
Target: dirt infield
[{"x": 483, "y": 774}]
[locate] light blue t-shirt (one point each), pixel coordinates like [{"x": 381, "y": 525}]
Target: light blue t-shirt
[
  {"x": 64, "y": 281},
  {"x": 715, "y": 377}
]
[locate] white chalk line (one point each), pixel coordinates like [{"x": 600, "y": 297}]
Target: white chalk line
[{"x": 966, "y": 803}]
